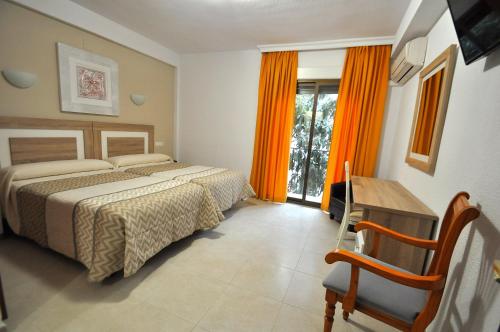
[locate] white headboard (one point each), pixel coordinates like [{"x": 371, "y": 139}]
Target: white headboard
[
  {"x": 25, "y": 140},
  {"x": 115, "y": 139}
]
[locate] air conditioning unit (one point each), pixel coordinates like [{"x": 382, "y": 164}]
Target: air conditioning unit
[{"x": 409, "y": 61}]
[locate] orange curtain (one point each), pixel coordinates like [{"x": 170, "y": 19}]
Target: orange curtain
[
  {"x": 359, "y": 114},
  {"x": 276, "y": 107},
  {"x": 427, "y": 114}
]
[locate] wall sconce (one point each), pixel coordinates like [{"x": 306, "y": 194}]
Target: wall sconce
[
  {"x": 19, "y": 79},
  {"x": 137, "y": 99}
]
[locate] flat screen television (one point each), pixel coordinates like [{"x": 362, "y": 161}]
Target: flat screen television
[{"x": 477, "y": 23}]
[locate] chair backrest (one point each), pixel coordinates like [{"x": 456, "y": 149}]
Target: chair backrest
[
  {"x": 347, "y": 188},
  {"x": 457, "y": 216},
  {"x": 347, "y": 212}
]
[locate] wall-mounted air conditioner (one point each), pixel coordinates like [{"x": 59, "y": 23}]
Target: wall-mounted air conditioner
[{"x": 409, "y": 61}]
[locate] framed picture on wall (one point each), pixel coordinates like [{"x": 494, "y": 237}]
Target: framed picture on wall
[{"x": 88, "y": 82}]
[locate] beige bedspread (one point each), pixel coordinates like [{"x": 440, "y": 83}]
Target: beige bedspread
[
  {"x": 111, "y": 220},
  {"x": 226, "y": 186}
]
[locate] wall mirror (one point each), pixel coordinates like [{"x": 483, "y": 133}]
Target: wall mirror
[{"x": 430, "y": 111}]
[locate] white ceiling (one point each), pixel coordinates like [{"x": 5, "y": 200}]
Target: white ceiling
[{"x": 190, "y": 26}]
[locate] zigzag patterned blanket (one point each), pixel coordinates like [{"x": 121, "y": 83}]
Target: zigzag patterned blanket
[
  {"x": 33, "y": 197},
  {"x": 115, "y": 220},
  {"x": 226, "y": 186}
]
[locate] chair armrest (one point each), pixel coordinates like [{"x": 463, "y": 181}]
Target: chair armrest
[
  {"x": 434, "y": 282},
  {"x": 427, "y": 244}
]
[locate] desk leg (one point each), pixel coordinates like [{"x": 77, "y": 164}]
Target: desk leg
[{"x": 363, "y": 235}]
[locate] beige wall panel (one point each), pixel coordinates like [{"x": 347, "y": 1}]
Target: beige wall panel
[{"x": 28, "y": 42}]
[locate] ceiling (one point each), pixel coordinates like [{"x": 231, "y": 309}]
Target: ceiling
[{"x": 191, "y": 26}]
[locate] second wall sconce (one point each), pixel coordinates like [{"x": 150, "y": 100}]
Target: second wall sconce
[
  {"x": 137, "y": 99},
  {"x": 19, "y": 79}
]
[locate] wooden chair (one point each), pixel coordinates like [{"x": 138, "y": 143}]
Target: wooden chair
[
  {"x": 404, "y": 300},
  {"x": 349, "y": 217}
]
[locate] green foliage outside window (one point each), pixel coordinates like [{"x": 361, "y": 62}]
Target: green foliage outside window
[{"x": 320, "y": 144}]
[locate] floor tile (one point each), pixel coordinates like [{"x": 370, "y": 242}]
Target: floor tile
[
  {"x": 199, "y": 329},
  {"x": 184, "y": 294},
  {"x": 293, "y": 319},
  {"x": 287, "y": 238},
  {"x": 102, "y": 316},
  {"x": 147, "y": 317},
  {"x": 215, "y": 264},
  {"x": 313, "y": 263},
  {"x": 264, "y": 279},
  {"x": 320, "y": 245},
  {"x": 270, "y": 253},
  {"x": 241, "y": 311},
  {"x": 306, "y": 292}
]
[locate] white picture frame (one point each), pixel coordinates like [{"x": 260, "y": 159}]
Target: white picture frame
[{"x": 88, "y": 82}]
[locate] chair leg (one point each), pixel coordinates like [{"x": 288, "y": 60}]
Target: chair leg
[
  {"x": 329, "y": 313},
  {"x": 3, "y": 306},
  {"x": 345, "y": 315}
]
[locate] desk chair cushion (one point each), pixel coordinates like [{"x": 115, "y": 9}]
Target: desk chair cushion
[{"x": 382, "y": 294}]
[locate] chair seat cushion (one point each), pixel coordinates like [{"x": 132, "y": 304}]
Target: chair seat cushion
[{"x": 401, "y": 302}]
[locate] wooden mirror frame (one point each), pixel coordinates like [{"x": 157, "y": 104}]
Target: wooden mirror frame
[{"x": 448, "y": 59}]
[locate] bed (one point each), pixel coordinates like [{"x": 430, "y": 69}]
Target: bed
[
  {"x": 226, "y": 186},
  {"x": 83, "y": 208}
]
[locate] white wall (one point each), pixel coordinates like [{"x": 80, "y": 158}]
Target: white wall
[
  {"x": 321, "y": 64},
  {"x": 469, "y": 159},
  {"x": 218, "y": 103},
  {"x": 218, "y": 108}
]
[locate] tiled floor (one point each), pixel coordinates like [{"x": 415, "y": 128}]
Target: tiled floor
[{"x": 260, "y": 270}]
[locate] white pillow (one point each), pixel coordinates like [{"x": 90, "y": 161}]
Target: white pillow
[
  {"x": 136, "y": 159},
  {"x": 50, "y": 168}
]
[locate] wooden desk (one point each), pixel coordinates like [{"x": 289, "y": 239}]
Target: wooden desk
[{"x": 390, "y": 204}]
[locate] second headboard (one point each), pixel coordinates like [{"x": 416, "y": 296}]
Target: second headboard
[{"x": 117, "y": 139}]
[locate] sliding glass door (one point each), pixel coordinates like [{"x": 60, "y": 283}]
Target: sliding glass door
[{"x": 315, "y": 105}]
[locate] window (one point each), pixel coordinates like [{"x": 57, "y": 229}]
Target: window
[{"x": 315, "y": 105}]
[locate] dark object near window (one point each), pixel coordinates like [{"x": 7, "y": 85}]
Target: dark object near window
[{"x": 337, "y": 200}]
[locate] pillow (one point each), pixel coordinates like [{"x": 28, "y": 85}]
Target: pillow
[
  {"x": 136, "y": 159},
  {"x": 50, "y": 168}
]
